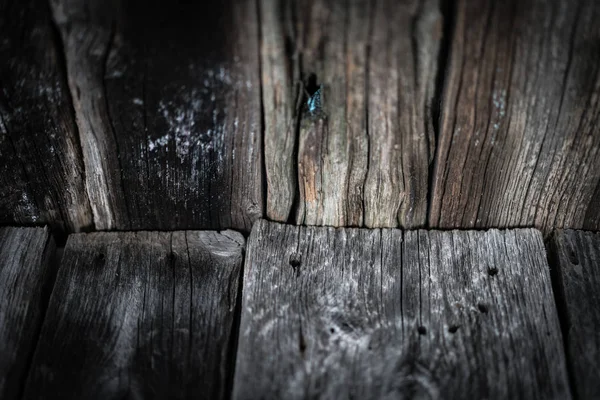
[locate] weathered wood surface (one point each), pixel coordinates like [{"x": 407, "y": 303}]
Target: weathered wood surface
[
  {"x": 520, "y": 124},
  {"x": 366, "y": 160},
  {"x": 26, "y": 274},
  {"x": 576, "y": 255},
  {"x": 168, "y": 108},
  {"x": 41, "y": 167},
  {"x": 140, "y": 315},
  {"x": 350, "y": 313}
]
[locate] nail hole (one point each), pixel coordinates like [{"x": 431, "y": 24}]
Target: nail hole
[
  {"x": 573, "y": 257},
  {"x": 453, "y": 328},
  {"x": 422, "y": 330},
  {"x": 482, "y": 308},
  {"x": 302, "y": 344},
  {"x": 100, "y": 257},
  {"x": 332, "y": 330},
  {"x": 295, "y": 262},
  {"x": 492, "y": 271}
]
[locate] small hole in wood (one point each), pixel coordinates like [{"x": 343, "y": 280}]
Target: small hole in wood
[
  {"x": 422, "y": 330},
  {"x": 100, "y": 257},
  {"x": 493, "y": 271},
  {"x": 573, "y": 257},
  {"x": 482, "y": 308},
  {"x": 301, "y": 343},
  {"x": 171, "y": 256},
  {"x": 295, "y": 262},
  {"x": 453, "y": 328},
  {"x": 332, "y": 330}
]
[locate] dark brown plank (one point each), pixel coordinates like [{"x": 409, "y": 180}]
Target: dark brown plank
[
  {"x": 365, "y": 160},
  {"x": 351, "y": 313},
  {"x": 576, "y": 257},
  {"x": 140, "y": 315},
  {"x": 168, "y": 106},
  {"x": 26, "y": 275},
  {"x": 520, "y": 134},
  {"x": 41, "y": 165}
]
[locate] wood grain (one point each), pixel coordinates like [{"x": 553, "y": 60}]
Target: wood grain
[
  {"x": 26, "y": 275},
  {"x": 168, "y": 107},
  {"x": 520, "y": 136},
  {"x": 42, "y": 177},
  {"x": 365, "y": 162},
  {"x": 140, "y": 315},
  {"x": 351, "y": 313},
  {"x": 576, "y": 263}
]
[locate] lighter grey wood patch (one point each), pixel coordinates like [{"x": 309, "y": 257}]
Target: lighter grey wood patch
[{"x": 351, "y": 313}]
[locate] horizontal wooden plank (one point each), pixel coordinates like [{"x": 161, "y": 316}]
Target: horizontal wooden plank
[
  {"x": 351, "y": 313},
  {"x": 364, "y": 160},
  {"x": 140, "y": 315},
  {"x": 42, "y": 178},
  {"x": 519, "y": 139},
  {"x": 576, "y": 256},
  {"x": 168, "y": 108},
  {"x": 26, "y": 275}
]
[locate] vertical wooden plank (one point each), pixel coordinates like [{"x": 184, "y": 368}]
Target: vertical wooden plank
[
  {"x": 576, "y": 264},
  {"x": 402, "y": 74},
  {"x": 168, "y": 106},
  {"x": 42, "y": 177},
  {"x": 365, "y": 159},
  {"x": 279, "y": 69},
  {"x": 25, "y": 281},
  {"x": 519, "y": 135},
  {"x": 140, "y": 315},
  {"x": 351, "y": 313}
]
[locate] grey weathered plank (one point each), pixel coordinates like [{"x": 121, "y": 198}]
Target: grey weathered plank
[
  {"x": 366, "y": 160},
  {"x": 576, "y": 263},
  {"x": 26, "y": 275},
  {"x": 520, "y": 127},
  {"x": 168, "y": 107},
  {"x": 279, "y": 69},
  {"x": 140, "y": 315},
  {"x": 41, "y": 166},
  {"x": 351, "y": 313}
]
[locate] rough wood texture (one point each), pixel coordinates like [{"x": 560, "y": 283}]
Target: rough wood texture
[
  {"x": 350, "y": 313},
  {"x": 366, "y": 162},
  {"x": 140, "y": 315},
  {"x": 25, "y": 281},
  {"x": 279, "y": 69},
  {"x": 520, "y": 126},
  {"x": 168, "y": 106},
  {"x": 576, "y": 258},
  {"x": 41, "y": 167}
]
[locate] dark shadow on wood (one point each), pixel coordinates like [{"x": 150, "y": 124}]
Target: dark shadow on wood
[
  {"x": 561, "y": 304},
  {"x": 448, "y": 10},
  {"x": 53, "y": 266}
]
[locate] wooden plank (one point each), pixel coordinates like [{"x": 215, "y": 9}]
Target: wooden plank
[
  {"x": 365, "y": 160},
  {"x": 576, "y": 266},
  {"x": 351, "y": 313},
  {"x": 140, "y": 315},
  {"x": 26, "y": 275},
  {"x": 168, "y": 106},
  {"x": 519, "y": 139},
  {"x": 41, "y": 166}
]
